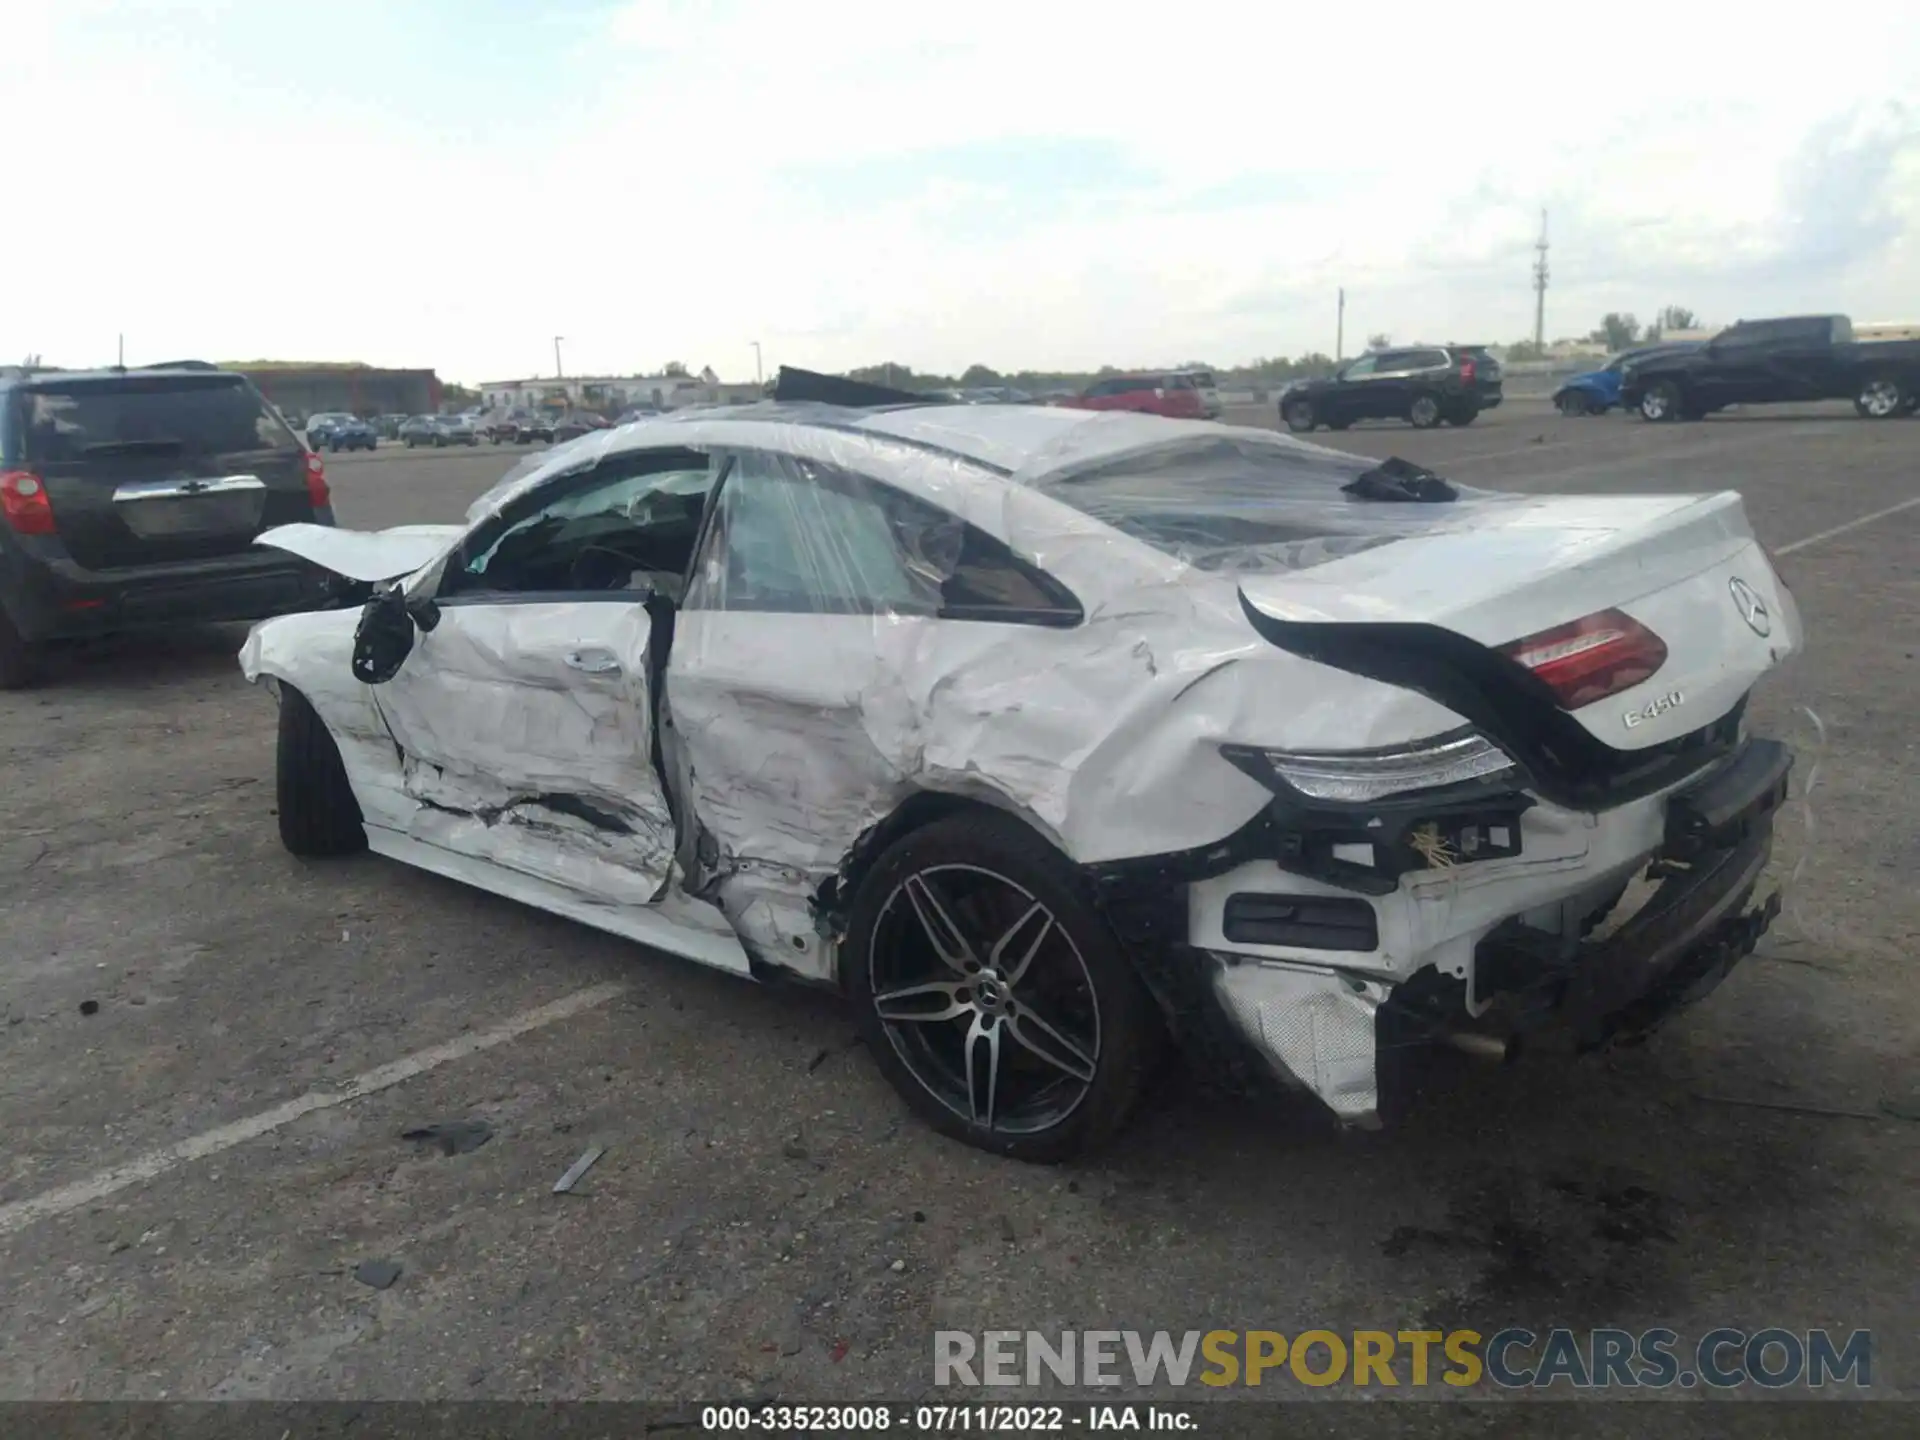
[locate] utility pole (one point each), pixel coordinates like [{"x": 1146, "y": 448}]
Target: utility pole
[
  {"x": 759, "y": 373},
  {"x": 558, "y": 373},
  {"x": 1540, "y": 291},
  {"x": 1340, "y": 328},
  {"x": 121, "y": 362}
]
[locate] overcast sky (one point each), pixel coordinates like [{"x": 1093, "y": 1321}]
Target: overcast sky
[{"x": 452, "y": 183}]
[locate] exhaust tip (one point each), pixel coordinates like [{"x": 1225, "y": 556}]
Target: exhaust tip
[{"x": 1498, "y": 1049}]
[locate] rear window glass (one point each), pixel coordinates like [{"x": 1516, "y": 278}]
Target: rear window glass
[
  {"x": 218, "y": 415},
  {"x": 1247, "y": 506}
]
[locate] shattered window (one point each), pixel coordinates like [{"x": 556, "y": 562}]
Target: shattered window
[{"x": 794, "y": 537}]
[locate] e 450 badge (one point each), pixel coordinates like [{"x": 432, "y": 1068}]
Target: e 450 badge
[{"x": 1654, "y": 709}]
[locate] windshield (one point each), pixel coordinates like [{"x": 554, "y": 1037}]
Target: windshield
[
  {"x": 189, "y": 415},
  {"x": 1246, "y": 506}
]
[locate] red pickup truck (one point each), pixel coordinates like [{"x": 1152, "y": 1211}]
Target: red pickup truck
[{"x": 1175, "y": 396}]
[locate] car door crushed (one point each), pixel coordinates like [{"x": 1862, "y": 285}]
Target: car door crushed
[{"x": 519, "y": 716}]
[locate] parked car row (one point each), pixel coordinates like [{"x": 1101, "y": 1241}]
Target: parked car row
[
  {"x": 1756, "y": 362},
  {"x": 438, "y": 431},
  {"x": 517, "y": 427}
]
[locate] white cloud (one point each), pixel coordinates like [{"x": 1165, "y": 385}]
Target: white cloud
[{"x": 695, "y": 182}]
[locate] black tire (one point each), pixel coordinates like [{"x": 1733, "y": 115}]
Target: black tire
[
  {"x": 1574, "y": 403},
  {"x": 1464, "y": 415},
  {"x": 1662, "y": 403},
  {"x": 19, "y": 657},
  {"x": 1882, "y": 397},
  {"x": 1424, "y": 412},
  {"x": 969, "y": 863},
  {"x": 318, "y": 814},
  {"x": 1299, "y": 415}
]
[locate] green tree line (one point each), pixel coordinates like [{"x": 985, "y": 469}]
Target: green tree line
[{"x": 1616, "y": 331}]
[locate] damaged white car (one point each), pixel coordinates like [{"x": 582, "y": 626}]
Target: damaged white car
[{"x": 1045, "y": 735}]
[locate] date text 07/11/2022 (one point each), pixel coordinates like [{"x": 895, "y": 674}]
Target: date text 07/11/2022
[{"x": 945, "y": 1419}]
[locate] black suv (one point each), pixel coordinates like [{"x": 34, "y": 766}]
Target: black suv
[
  {"x": 1422, "y": 384},
  {"x": 131, "y": 498}
]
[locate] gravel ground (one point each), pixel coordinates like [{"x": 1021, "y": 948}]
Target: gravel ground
[{"x": 766, "y": 1218}]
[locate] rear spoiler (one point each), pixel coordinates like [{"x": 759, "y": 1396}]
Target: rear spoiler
[{"x": 811, "y": 386}]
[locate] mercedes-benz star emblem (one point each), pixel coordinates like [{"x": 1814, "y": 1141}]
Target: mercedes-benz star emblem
[{"x": 1752, "y": 608}]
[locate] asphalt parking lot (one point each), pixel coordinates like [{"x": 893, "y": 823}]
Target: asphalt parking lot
[{"x": 210, "y": 1050}]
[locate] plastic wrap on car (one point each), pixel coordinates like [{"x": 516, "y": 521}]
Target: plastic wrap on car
[
  {"x": 806, "y": 720},
  {"x": 799, "y": 723}
]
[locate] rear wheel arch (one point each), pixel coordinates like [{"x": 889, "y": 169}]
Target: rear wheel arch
[
  {"x": 918, "y": 811},
  {"x": 968, "y": 848}
]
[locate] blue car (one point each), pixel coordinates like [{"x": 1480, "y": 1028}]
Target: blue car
[
  {"x": 338, "y": 432},
  {"x": 1598, "y": 391}
]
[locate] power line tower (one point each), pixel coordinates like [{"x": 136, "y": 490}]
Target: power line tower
[{"x": 1540, "y": 289}]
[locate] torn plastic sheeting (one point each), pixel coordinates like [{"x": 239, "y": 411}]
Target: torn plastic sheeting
[
  {"x": 1246, "y": 502},
  {"x": 1103, "y": 735},
  {"x": 366, "y": 555},
  {"x": 807, "y": 720}
]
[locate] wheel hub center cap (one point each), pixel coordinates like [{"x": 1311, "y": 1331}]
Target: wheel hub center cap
[{"x": 990, "y": 994}]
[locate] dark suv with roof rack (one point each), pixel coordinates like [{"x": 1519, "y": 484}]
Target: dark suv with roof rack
[
  {"x": 1425, "y": 385},
  {"x": 131, "y": 498}
]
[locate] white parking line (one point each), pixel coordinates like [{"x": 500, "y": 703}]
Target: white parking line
[
  {"x": 67, "y": 1198},
  {"x": 1850, "y": 525}
]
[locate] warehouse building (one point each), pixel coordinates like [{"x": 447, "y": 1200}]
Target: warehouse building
[{"x": 297, "y": 388}]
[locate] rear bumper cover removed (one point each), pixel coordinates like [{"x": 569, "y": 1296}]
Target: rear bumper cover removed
[{"x": 1317, "y": 1028}]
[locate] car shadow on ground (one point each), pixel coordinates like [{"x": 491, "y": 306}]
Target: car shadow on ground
[{"x": 142, "y": 660}]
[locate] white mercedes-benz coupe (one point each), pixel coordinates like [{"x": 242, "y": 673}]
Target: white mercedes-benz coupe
[{"x": 1047, "y": 735}]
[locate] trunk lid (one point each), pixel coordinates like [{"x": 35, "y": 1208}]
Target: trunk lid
[
  {"x": 143, "y": 469},
  {"x": 1685, "y": 566},
  {"x": 366, "y": 555}
]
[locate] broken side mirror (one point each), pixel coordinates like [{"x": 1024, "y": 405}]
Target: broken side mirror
[{"x": 383, "y": 639}]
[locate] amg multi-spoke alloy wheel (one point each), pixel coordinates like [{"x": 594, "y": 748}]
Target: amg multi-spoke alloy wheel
[{"x": 992, "y": 993}]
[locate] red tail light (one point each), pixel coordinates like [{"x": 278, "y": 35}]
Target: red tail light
[
  {"x": 1467, "y": 369},
  {"x": 23, "y": 500},
  {"x": 317, "y": 494},
  {"x": 1592, "y": 658}
]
